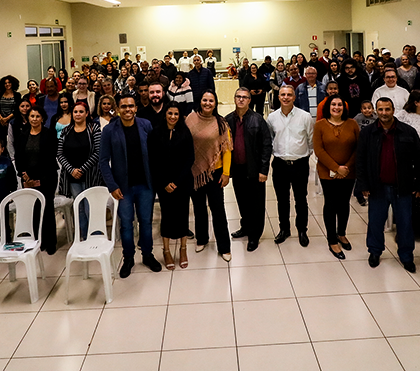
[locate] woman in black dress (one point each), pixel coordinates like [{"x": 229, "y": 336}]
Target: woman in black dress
[
  {"x": 171, "y": 151},
  {"x": 37, "y": 166},
  {"x": 255, "y": 82},
  {"x": 9, "y": 101}
]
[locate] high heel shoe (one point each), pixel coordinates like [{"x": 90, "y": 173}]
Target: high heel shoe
[
  {"x": 169, "y": 261},
  {"x": 339, "y": 255},
  {"x": 183, "y": 259}
]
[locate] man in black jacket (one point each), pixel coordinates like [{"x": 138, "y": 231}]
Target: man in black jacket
[
  {"x": 250, "y": 164},
  {"x": 388, "y": 171}
]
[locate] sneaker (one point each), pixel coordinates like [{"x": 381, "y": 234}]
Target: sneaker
[
  {"x": 190, "y": 234},
  {"x": 151, "y": 262},
  {"x": 125, "y": 270}
]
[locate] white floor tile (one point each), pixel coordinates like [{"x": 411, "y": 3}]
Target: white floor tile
[
  {"x": 266, "y": 322},
  {"x": 407, "y": 351},
  {"x": 65, "y": 333},
  {"x": 47, "y": 363},
  {"x": 397, "y": 313},
  {"x": 278, "y": 357},
  {"x": 388, "y": 276},
  {"x": 13, "y": 327},
  {"x": 361, "y": 355},
  {"x": 268, "y": 282},
  {"x": 317, "y": 279},
  {"x": 267, "y": 253},
  {"x": 126, "y": 361},
  {"x": 200, "y": 286},
  {"x": 200, "y": 359},
  {"x": 129, "y": 330},
  {"x": 313, "y": 227},
  {"x": 199, "y": 326},
  {"x": 338, "y": 318},
  {"x": 207, "y": 258}
]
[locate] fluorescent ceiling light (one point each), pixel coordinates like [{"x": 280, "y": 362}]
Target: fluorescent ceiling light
[
  {"x": 213, "y": 2},
  {"x": 113, "y": 2}
]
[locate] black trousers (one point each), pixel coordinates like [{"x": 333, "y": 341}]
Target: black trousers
[
  {"x": 295, "y": 175},
  {"x": 337, "y": 194},
  {"x": 257, "y": 101},
  {"x": 250, "y": 196},
  {"x": 213, "y": 193}
]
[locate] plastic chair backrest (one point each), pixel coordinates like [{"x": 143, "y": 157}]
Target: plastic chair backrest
[
  {"x": 24, "y": 200},
  {"x": 97, "y": 197}
]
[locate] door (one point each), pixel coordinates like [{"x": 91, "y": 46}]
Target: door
[{"x": 41, "y": 56}]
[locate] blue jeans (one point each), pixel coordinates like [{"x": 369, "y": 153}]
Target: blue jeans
[
  {"x": 378, "y": 214},
  {"x": 141, "y": 197},
  {"x": 75, "y": 190}
]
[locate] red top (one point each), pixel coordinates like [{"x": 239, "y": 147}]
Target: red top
[{"x": 42, "y": 85}]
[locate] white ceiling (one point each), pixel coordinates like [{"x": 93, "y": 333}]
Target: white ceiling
[{"x": 140, "y": 3}]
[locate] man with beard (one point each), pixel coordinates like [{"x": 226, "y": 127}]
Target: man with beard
[
  {"x": 354, "y": 86},
  {"x": 153, "y": 112},
  {"x": 319, "y": 66}
]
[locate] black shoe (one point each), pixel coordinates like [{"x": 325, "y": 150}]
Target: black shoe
[
  {"x": 239, "y": 233},
  {"x": 151, "y": 262},
  {"x": 339, "y": 255},
  {"x": 125, "y": 270},
  {"x": 281, "y": 237},
  {"x": 303, "y": 239},
  {"x": 374, "y": 260},
  {"x": 190, "y": 234},
  {"x": 410, "y": 266},
  {"x": 252, "y": 245},
  {"x": 345, "y": 246},
  {"x": 362, "y": 201}
]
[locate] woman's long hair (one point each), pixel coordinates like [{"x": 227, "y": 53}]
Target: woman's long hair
[
  {"x": 221, "y": 123},
  {"x": 70, "y": 100}
]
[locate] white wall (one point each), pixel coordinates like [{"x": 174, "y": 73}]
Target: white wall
[
  {"x": 14, "y": 15},
  {"x": 390, "y": 22},
  {"x": 162, "y": 28}
]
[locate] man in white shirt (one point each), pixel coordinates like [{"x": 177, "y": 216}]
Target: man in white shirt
[
  {"x": 195, "y": 54},
  {"x": 391, "y": 90},
  {"x": 291, "y": 130}
]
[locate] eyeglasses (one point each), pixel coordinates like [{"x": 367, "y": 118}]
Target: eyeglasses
[{"x": 240, "y": 97}]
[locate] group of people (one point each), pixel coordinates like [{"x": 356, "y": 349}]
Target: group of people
[{"x": 166, "y": 137}]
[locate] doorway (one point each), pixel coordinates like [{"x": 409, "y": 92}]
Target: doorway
[{"x": 41, "y": 56}]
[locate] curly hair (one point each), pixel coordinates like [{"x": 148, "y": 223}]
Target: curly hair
[{"x": 15, "y": 83}]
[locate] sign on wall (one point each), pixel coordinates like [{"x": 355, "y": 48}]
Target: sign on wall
[{"x": 142, "y": 51}]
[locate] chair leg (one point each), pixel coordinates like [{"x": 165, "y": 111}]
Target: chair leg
[
  {"x": 114, "y": 265},
  {"x": 12, "y": 272},
  {"x": 68, "y": 262},
  {"x": 85, "y": 270},
  {"x": 105, "y": 262},
  {"x": 69, "y": 224},
  {"x": 41, "y": 265},
  {"x": 30, "y": 263}
]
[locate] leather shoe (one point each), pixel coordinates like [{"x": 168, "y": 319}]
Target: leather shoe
[
  {"x": 190, "y": 234},
  {"x": 303, "y": 239},
  {"x": 281, "y": 237},
  {"x": 374, "y": 260},
  {"x": 339, "y": 255},
  {"x": 125, "y": 270},
  {"x": 345, "y": 246},
  {"x": 151, "y": 262},
  {"x": 252, "y": 245},
  {"x": 239, "y": 233},
  {"x": 410, "y": 266}
]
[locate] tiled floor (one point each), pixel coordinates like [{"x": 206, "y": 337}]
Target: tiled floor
[{"x": 279, "y": 308}]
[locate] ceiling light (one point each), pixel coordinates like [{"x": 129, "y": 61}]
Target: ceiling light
[
  {"x": 213, "y": 2},
  {"x": 113, "y": 2}
]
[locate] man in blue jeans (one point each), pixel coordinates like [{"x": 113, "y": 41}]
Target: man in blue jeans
[
  {"x": 388, "y": 172},
  {"x": 124, "y": 163}
]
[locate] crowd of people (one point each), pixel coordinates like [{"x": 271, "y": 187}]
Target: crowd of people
[{"x": 145, "y": 130}]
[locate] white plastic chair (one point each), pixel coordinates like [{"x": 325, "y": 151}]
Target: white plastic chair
[
  {"x": 97, "y": 246},
  {"x": 24, "y": 200}
]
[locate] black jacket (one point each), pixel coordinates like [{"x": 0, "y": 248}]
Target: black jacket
[
  {"x": 407, "y": 154},
  {"x": 258, "y": 143}
]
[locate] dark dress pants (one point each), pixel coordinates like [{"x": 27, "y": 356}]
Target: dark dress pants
[
  {"x": 257, "y": 101},
  {"x": 250, "y": 196},
  {"x": 213, "y": 193},
  {"x": 337, "y": 194},
  {"x": 296, "y": 175}
]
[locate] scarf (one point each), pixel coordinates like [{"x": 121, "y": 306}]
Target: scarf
[{"x": 208, "y": 146}]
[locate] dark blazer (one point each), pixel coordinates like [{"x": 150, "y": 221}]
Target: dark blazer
[
  {"x": 48, "y": 146},
  {"x": 258, "y": 142},
  {"x": 302, "y": 98},
  {"x": 114, "y": 149},
  {"x": 407, "y": 154}
]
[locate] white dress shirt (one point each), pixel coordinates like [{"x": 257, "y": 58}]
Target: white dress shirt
[{"x": 291, "y": 134}]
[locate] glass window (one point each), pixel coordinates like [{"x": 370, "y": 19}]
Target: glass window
[
  {"x": 58, "y": 32},
  {"x": 45, "y": 31},
  {"x": 258, "y": 54},
  {"x": 31, "y": 31}
]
